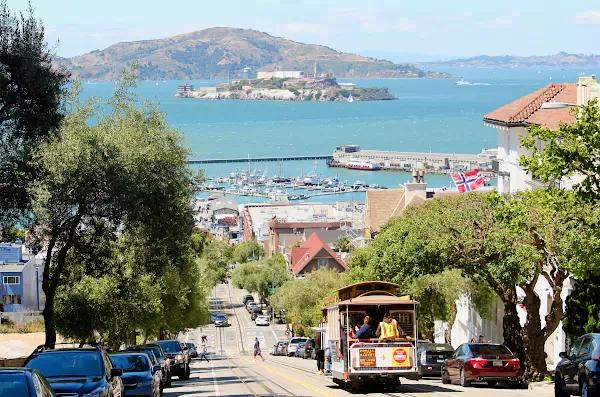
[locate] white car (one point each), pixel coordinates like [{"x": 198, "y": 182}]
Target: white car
[
  {"x": 262, "y": 320},
  {"x": 293, "y": 345}
]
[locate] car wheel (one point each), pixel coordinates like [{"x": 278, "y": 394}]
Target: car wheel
[
  {"x": 445, "y": 378},
  {"x": 463, "y": 379},
  {"x": 583, "y": 388},
  {"x": 492, "y": 383},
  {"x": 558, "y": 386},
  {"x": 186, "y": 373}
]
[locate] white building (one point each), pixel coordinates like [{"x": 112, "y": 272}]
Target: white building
[
  {"x": 281, "y": 74},
  {"x": 511, "y": 121}
]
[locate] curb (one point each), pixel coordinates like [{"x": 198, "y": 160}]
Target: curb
[{"x": 540, "y": 385}]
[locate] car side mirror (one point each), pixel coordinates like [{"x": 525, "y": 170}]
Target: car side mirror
[
  {"x": 116, "y": 372},
  {"x": 562, "y": 355},
  {"x": 156, "y": 368}
]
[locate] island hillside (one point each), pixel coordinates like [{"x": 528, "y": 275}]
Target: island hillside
[
  {"x": 562, "y": 59},
  {"x": 219, "y": 53},
  {"x": 289, "y": 89}
]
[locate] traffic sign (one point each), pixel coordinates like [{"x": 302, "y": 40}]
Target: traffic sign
[{"x": 271, "y": 290}]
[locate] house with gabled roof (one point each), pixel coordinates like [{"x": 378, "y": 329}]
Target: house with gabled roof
[{"x": 314, "y": 254}]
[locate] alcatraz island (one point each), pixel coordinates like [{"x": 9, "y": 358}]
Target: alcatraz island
[{"x": 286, "y": 86}]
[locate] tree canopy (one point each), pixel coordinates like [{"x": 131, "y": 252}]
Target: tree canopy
[
  {"x": 31, "y": 91},
  {"x": 248, "y": 250},
  {"x": 257, "y": 276}
]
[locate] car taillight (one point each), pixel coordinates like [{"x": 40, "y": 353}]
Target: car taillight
[
  {"x": 477, "y": 361},
  {"x": 596, "y": 357},
  {"x": 514, "y": 361}
]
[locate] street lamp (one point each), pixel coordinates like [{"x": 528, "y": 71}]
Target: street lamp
[
  {"x": 272, "y": 289},
  {"x": 559, "y": 105}
]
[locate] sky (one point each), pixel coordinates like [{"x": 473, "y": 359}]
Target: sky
[{"x": 440, "y": 27}]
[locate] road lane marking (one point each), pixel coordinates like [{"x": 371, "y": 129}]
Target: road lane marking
[
  {"x": 299, "y": 382},
  {"x": 212, "y": 369},
  {"x": 276, "y": 338}
]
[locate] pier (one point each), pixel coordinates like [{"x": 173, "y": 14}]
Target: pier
[{"x": 327, "y": 157}]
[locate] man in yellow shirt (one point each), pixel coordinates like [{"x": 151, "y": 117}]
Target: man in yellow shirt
[{"x": 388, "y": 328}]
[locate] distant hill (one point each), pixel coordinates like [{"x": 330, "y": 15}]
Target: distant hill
[
  {"x": 216, "y": 52},
  {"x": 562, "y": 59}
]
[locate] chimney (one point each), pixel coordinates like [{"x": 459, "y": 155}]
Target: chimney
[
  {"x": 417, "y": 187},
  {"x": 587, "y": 89}
]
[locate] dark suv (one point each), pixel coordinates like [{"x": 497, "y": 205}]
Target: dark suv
[
  {"x": 77, "y": 371},
  {"x": 179, "y": 357},
  {"x": 578, "y": 372}
]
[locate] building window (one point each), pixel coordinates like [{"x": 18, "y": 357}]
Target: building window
[
  {"x": 323, "y": 262},
  {"x": 8, "y": 280},
  {"x": 11, "y": 299}
]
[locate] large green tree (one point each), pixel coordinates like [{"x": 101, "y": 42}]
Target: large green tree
[
  {"x": 504, "y": 241},
  {"x": 30, "y": 107},
  {"x": 248, "y": 250},
  {"x": 258, "y": 276},
  {"x": 571, "y": 151},
  {"x": 127, "y": 172}
]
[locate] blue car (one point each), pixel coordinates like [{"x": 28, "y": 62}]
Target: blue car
[
  {"x": 23, "y": 382},
  {"x": 299, "y": 348},
  {"x": 140, "y": 377}
]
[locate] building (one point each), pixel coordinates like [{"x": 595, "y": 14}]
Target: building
[
  {"x": 343, "y": 154},
  {"x": 222, "y": 208},
  {"x": 280, "y": 74},
  {"x": 315, "y": 254},
  {"x": 306, "y": 217},
  {"x": 20, "y": 278},
  {"x": 381, "y": 205},
  {"x": 347, "y": 86},
  {"x": 184, "y": 88},
  {"x": 210, "y": 90}
]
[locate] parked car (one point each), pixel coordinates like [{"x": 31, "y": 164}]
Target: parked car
[
  {"x": 178, "y": 356},
  {"x": 192, "y": 349},
  {"x": 306, "y": 351},
  {"x": 77, "y": 371},
  {"x": 247, "y": 298},
  {"x": 299, "y": 348},
  {"x": 153, "y": 353},
  {"x": 140, "y": 377},
  {"x": 252, "y": 306},
  {"x": 273, "y": 350},
  {"x": 262, "y": 320},
  {"x": 255, "y": 313},
  {"x": 578, "y": 372},
  {"x": 281, "y": 349},
  {"x": 221, "y": 321},
  {"x": 431, "y": 357},
  {"x": 293, "y": 344},
  {"x": 481, "y": 362},
  {"x": 24, "y": 382}
]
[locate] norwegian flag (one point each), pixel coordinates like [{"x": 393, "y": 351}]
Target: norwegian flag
[{"x": 468, "y": 181}]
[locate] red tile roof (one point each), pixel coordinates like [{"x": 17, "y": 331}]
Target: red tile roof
[
  {"x": 301, "y": 256},
  {"x": 528, "y": 109}
]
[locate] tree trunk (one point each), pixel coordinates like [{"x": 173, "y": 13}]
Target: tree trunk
[
  {"x": 534, "y": 339},
  {"x": 49, "y": 324},
  {"x": 512, "y": 330}
]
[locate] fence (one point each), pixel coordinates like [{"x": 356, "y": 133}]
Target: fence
[{"x": 20, "y": 318}]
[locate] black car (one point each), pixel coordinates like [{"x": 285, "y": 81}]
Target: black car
[
  {"x": 140, "y": 377},
  {"x": 157, "y": 356},
  {"x": 247, "y": 298},
  {"x": 255, "y": 313},
  {"x": 579, "y": 370},
  {"x": 431, "y": 356},
  {"x": 78, "y": 371},
  {"x": 178, "y": 356},
  {"x": 308, "y": 350},
  {"x": 23, "y": 382},
  {"x": 192, "y": 350}
]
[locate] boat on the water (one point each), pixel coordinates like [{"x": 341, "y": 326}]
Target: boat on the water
[
  {"x": 350, "y": 99},
  {"x": 357, "y": 164},
  {"x": 462, "y": 82}
]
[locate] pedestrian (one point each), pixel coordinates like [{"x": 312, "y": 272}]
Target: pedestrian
[
  {"x": 327, "y": 360},
  {"x": 204, "y": 339},
  {"x": 473, "y": 340},
  {"x": 203, "y": 356},
  {"x": 320, "y": 353},
  {"x": 257, "y": 349},
  {"x": 481, "y": 340}
]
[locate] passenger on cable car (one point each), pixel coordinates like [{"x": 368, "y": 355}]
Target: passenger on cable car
[
  {"x": 366, "y": 330},
  {"x": 388, "y": 328}
]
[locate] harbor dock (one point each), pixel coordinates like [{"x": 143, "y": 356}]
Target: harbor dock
[{"x": 327, "y": 157}]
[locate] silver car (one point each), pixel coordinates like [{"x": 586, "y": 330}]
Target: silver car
[{"x": 221, "y": 321}]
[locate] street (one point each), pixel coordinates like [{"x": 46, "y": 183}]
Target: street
[{"x": 232, "y": 372}]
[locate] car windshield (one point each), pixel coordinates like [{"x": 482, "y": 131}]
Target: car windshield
[
  {"x": 221, "y": 317},
  {"x": 297, "y": 340},
  {"x": 489, "y": 349},
  {"x": 170, "y": 346},
  {"x": 13, "y": 384},
  {"x": 56, "y": 364},
  {"x": 148, "y": 351},
  {"x": 130, "y": 362},
  {"x": 157, "y": 351},
  {"x": 438, "y": 347}
]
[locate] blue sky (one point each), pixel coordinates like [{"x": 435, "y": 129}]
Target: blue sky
[{"x": 456, "y": 28}]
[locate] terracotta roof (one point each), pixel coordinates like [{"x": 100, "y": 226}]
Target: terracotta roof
[
  {"x": 527, "y": 110},
  {"x": 381, "y": 205},
  {"x": 301, "y": 256}
]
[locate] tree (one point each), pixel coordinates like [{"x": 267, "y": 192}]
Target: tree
[
  {"x": 258, "y": 276},
  {"x": 128, "y": 173},
  {"x": 247, "y": 250},
  {"x": 572, "y": 150},
  {"x": 582, "y": 314},
  {"x": 343, "y": 244},
  {"x": 302, "y": 298},
  {"x": 506, "y": 241},
  {"x": 30, "y": 108}
]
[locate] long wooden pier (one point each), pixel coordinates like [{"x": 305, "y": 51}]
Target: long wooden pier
[{"x": 260, "y": 159}]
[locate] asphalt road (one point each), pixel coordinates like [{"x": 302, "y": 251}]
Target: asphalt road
[{"x": 232, "y": 371}]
